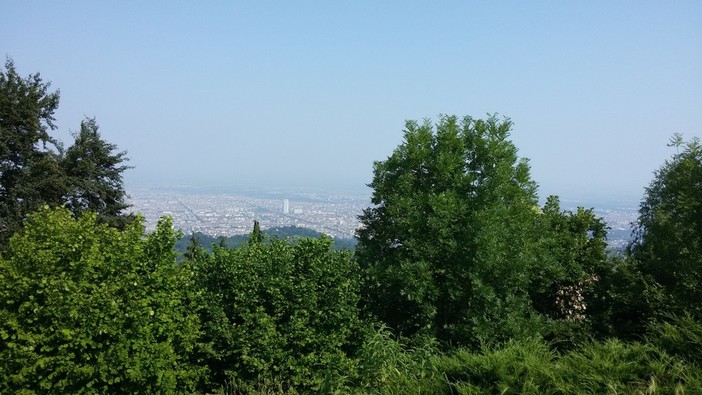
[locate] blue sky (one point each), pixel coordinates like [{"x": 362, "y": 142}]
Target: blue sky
[{"x": 309, "y": 94}]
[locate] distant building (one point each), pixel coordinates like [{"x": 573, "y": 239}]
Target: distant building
[
  {"x": 297, "y": 211},
  {"x": 286, "y": 206}
]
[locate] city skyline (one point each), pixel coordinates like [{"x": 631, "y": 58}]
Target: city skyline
[{"x": 228, "y": 213}]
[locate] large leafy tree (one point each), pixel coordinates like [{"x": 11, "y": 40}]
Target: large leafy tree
[
  {"x": 456, "y": 246},
  {"x": 87, "y": 308},
  {"x": 94, "y": 170},
  {"x": 444, "y": 244},
  {"x": 667, "y": 246},
  {"x": 30, "y": 174}
]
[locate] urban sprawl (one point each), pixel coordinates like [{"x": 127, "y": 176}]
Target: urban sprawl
[{"x": 227, "y": 214}]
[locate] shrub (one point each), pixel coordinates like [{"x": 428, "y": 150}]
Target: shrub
[
  {"x": 280, "y": 313},
  {"x": 91, "y": 309}
]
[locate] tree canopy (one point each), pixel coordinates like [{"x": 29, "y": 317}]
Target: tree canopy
[
  {"x": 461, "y": 281},
  {"x": 453, "y": 245},
  {"x": 30, "y": 173},
  {"x": 277, "y": 311},
  {"x": 36, "y": 170},
  {"x": 668, "y": 236},
  {"x": 94, "y": 172}
]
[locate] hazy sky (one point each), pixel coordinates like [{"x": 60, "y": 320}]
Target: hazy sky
[{"x": 304, "y": 93}]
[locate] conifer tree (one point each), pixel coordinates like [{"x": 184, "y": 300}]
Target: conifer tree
[
  {"x": 94, "y": 170},
  {"x": 256, "y": 235},
  {"x": 30, "y": 174},
  {"x": 35, "y": 170}
]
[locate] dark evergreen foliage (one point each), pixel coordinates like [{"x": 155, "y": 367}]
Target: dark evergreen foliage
[
  {"x": 30, "y": 173},
  {"x": 256, "y": 236},
  {"x": 34, "y": 168},
  {"x": 94, "y": 174}
]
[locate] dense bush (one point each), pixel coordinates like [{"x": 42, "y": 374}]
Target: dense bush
[
  {"x": 280, "y": 313},
  {"x": 623, "y": 301},
  {"x": 90, "y": 309}
]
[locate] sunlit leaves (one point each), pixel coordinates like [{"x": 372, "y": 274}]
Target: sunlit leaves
[
  {"x": 668, "y": 234},
  {"x": 277, "y": 311},
  {"x": 89, "y": 309},
  {"x": 443, "y": 247}
]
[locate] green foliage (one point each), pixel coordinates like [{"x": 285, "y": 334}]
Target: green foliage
[
  {"x": 195, "y": 253},
  {"x": 35, "y": 170},
  {"x": 443, "y": 245},
  {"x": 661, "y": 273},
  {"x": 390, "y": 365},
  {"x": 456, "y": 247},
  {"x": 523, "y": 368},
  {"x": 30, "y": 174},
  {"x": 668, "y": 235},
  {"x": 256, "y": 236},
  {"x": 572, "y": 259},
  {"x": 617, "y": 367},
  {"x": 280, "y": 313},
  {"x": 287, "y": 233},
  {"x": 94, "y": 174},
  {"x": 86, "y": 308},
  {"x": 680, "y": 336},
  {"x": 623, "y": 301},
  {"x": 526, "y": 367}
]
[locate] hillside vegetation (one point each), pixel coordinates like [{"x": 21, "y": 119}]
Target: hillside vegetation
[
  {"x": 289, "y": 233},
  {"x": 461, "y": 283}
]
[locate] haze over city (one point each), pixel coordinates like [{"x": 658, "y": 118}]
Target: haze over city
[{"x": 308, "y": 94}]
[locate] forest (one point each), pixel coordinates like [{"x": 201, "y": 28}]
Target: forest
[
  {"x": 460, "y": 282},
  {"x": 290, "y": 233}
]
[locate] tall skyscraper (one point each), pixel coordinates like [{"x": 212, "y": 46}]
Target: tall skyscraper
[{"x": 286, "y": 206}]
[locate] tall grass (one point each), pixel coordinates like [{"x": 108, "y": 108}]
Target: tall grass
[
  {"x": 527, "y": 367},
  {"x": 679, "y": 336},
  {"x": 389, "y": 365}
]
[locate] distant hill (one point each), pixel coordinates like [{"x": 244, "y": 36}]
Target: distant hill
[{"x": 282, "y": 233}]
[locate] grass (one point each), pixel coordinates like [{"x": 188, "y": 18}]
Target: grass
[{"x": 668, "y": 363}]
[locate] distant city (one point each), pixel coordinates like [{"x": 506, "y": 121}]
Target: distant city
[
  {"x": 227, "y": 214},
  {"x": 619, "y": 221},
  {"x": 335, "y": 214}
]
